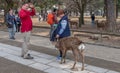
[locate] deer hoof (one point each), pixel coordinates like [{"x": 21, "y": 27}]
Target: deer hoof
[
  {"x": 82, "y": 69},
  {"x": 60, "y": 62},
  {"x": 64, "y": 62},
  {"x": 74, "y": 69}
]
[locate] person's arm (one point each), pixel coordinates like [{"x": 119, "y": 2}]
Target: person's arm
[
  {"x": 22, "y": 14},
  {"x": 63, "y": 27},
  {"x": 32, "y": 12},
  {"x": 7, "y": 19},
  {"x": 32, "y": 9}
]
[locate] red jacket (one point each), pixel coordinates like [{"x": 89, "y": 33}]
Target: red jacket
[{"x": 26, "y": 22}]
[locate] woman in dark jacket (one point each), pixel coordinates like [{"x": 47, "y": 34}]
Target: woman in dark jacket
[
  {"x": 11, "y": 23},
  {"x": 63, "y": 29}
]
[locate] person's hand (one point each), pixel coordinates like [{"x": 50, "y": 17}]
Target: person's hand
[
  {"x": 31, "y": 5},
  {"x": 29, "y": 9},
  {"x": 57, "y": 36}
]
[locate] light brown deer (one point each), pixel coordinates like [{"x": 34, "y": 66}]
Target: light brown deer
[
  {"x": 101, "y": 25},
  {"x": 73, "y": 44},
  {"x": 73, "y": 24}
]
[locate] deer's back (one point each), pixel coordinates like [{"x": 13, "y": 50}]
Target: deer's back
[{"x": 69, "y": 42}]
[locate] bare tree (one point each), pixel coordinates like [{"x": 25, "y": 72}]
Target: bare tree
[
  {"x": 111, "y": 14},
  {"x": 81, "y": 5},
  {"x": 94, "y": 6},
  {"x": 78, "y": 6}
]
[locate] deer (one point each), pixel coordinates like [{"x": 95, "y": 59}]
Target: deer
[
  {"x": 75, "y": 45},
  {"x": 101, "y": 24},
  {"x": 73, "y": 23}
]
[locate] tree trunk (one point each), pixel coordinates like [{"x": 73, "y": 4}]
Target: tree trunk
[
  {"x": 8, "y": 5},
  {"x": 116, "y": 11},
  {"x": 104, "y": 13},
  {"x": 79, "y": 22},
  {"x": 111, "y": 15},
  {"x": 105, "y": 8},
  {"x": 81, "y": 18}
]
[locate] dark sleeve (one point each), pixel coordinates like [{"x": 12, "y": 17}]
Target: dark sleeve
[{"x": 7, "y": 19}]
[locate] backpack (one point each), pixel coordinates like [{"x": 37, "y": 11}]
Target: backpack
[{"x": 50, "y": 19}]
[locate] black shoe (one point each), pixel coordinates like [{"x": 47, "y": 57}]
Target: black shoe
[
  {"x": 12, "y": 38},
  {"x": 28, "y": 57},
  {"x": 22, "y": 55}
]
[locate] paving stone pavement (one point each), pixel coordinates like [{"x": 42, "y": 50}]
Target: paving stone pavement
[
  {"x": 102, "y": 52},
  {"x": 43, "y": 62},
  {"x": 7, "y": 66}
]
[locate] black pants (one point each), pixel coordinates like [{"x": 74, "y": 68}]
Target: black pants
[
  {"x": 60, "y": 53},
  {"x": 18, "y": 27}
]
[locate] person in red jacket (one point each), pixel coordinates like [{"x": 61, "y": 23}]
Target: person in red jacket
[{"x": 25, "y": 14}]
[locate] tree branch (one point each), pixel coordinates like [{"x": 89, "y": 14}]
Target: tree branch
[{"x": 78, "y": 4}]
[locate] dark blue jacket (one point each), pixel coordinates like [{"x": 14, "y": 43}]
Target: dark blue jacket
[
  {"x": 63, "y": 29},
  {"x": 10, "y": 20},
  {"x": 18, "y": 22},
  {"x": 93, "y": 17}
]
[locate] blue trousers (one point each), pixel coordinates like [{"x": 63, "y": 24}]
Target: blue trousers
[
  {"x": 52, "y": 32},
  {"x": 12, "y": 32}
]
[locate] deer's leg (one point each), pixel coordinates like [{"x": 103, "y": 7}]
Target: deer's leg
[
  {"x": 64, "y": 56},
  {"x": 82, "y": 56},
  {"x": 75, "y": 56},
  {"x": 61, "y": 57}
]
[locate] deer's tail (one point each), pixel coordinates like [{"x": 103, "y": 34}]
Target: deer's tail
[{"x": 81, "y": 46}]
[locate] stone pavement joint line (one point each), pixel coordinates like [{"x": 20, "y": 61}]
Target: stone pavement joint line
[{"x": 45, "y": 62}]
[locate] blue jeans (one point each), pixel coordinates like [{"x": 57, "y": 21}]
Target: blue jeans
[
  {"x": 93, "y": 22},
  {"x": 52, "y": 32},
  {"x": 12, "y": 32}
]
